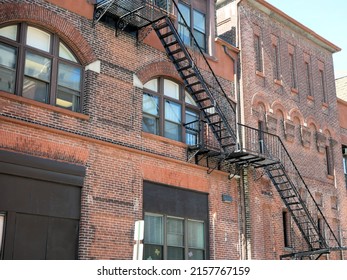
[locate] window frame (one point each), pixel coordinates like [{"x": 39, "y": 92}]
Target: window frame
[
  {"x": 165, "y": 232},
  {"x": 258, "y": 49},
  {"x": 162, "y": 101},
  {"x": 191, "y": 24},
  {"x": 2, "y": 232},
  {"x": 22, "y": 49}
]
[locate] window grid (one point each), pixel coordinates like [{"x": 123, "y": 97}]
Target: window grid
[{"x": 182, "y": 238}]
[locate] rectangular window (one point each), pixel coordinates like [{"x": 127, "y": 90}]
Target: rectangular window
[
  {"x": 173, "y": 238},
  {"x": 199, "y": 29},
  {"x": 292, "y": 70},
  {"x": 258, "y": 53},
  {"x": 2, "y": 229},
  {"x": 308, "y": 79},
  {"x": 322, "y": 81},
  {"x": 329, "y": 160},
  {"x": 261, "y": 128},
  {"x": 163, "y": 4},
  {"x": 345, "y": 164},
  {"x": 276, "y": 56},
  {"x": 8, "y": 61},
  {"x": 172, "y": 125},
  {"x": 286, "y": 229}
]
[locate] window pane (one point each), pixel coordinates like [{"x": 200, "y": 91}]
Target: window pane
[
  {"x": 9, "y": 32},
  {"x": 172, "y": 111},
  {"x": 153, "y": 252},
  {"x": 174, "y": 253},
  {"x": 185, "y": 10},
  {"x": 2, "y": 226},
  {"x": 183, "y": 31},
  {"x": 192, "y": 129},
  {"x": 153, "y": 229},
  {"x": 68, "y": 99},
  {"x": 175, "y": 232},
  {"x": 199, "y": 21},
  {"x": 8, "y": 57},
  {"x": 184, "y": 34},
  {"x": 171, "y": 89},
  {"x": 152, "y": 85},
  {"x": 37, "y": 66},
  {"x": 150, "y": 104},
  {"x": 189, "y": 99},
  {"x": 69, "y": 76},
  {"x": 196, "y": 234},
  {"x": 173, "y": 131},
  {"x": 150, "y": 124},
  {"x": 65, "y": 53},
  {"x": 200, "y": 39},
  {"x": 38, "y": 39},
  {"x": 194, "y": 254},
  {"x": 35, "y": 90}
]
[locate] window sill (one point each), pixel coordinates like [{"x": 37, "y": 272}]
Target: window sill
[
  {"x": 294, "y": 90},
  {"x": 163, "y": 139},
  {"x": 260, "y": 74},
  {"x": 49, "y": 107},
  {"x": 278, "y": 82},
  {"x": 330, "y": 177},
  {"x": 325, "y": 105},
  {"x": 310, "y": 98}
]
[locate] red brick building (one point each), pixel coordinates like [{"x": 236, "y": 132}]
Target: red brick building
[{"x": 118, "y": 111}]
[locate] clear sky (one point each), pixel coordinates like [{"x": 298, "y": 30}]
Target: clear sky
[{"x": 326, "y": 18}]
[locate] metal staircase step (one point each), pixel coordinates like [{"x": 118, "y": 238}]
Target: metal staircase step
[
  {"x": 161, "y": 26},
  {"x": 202, "y": 100},
  {"x": 175, "y": 51},
  {"x": 193, "y": 84},
  {"x": 178, "y": 60},
  {"x": 184, "y": 68},
  {"x": 291, "y": 196},
  {"x": 162, "y": 36},
  {"x": 171, "y": 44},
  {"x": 189, "y": 76},
  {"x": 198, "y": 91},
  {"x": 207, "y": 107}
]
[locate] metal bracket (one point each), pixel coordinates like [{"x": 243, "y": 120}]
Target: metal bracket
[
  {"x": 101, "y": 9},
  {"x": 122, "y": 23}
]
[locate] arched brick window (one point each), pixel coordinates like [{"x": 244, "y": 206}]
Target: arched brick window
[
  {"x": 166, "y": 107},
  {"x": 36, "y": 64}
]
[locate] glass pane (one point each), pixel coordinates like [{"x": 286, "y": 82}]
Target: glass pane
[
  {"x": 69, "y": 76},
  {"x": 184, "y": 34},
  {"x": 172, "y": 111},
  {"x": 189, "y": 99},
  {"x": 174, "y": 253},
  {"x": 38, "y": 39},
  {"x": 9, "y": 32},
  {"x": 171, "y": 89},
  {"x": 64, "y": 52},
  {"x": 152, "y": 252},
  {"x": 192, "y": 129},
  {"x": 68, "y": 99},
  {"x": 194, "y": 254},
  {"x": 153, "y": 229},
  {"x": 200, "y": 39},
  {"x": 175, "y": 232},
  {"x": 150, "y": 124},
  {"x": 37, "y": 66},
  {"x": 150, "y": 104},
  {"x": 199, "y": 21},
  {"x": 196, "y": 234},
  {"x": 152, "y": 85},
  {"x": 2, "y": 226},
  {"x": 173, "y": 131},
  {"x": 35, "y": 90},
  {"x": 185, "y": 10},
  {"x": 8, "y": 56}
]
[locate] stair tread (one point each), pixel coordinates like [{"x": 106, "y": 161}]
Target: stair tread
[{"x": 162, "y": 36}]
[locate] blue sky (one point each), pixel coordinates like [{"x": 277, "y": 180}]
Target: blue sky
[{"x": 326, "y": 18}]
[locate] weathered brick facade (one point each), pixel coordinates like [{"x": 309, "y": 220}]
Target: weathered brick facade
[{"x": 106, "y": 137}]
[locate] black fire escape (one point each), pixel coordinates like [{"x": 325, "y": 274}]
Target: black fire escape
[{"x": 224, "y": 144}]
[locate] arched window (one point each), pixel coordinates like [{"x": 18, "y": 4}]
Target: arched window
[
  {"x": 36, "y": 64},
  {"x": 166, "y": 107}
]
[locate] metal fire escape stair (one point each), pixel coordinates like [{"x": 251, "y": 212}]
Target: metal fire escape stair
[
  {"x": 256, "y": 148},
  {"x": 203, "y": 94}
]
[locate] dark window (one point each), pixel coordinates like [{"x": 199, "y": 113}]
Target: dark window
[
  {"x": 292, "y": 70},
  {"x": 173, "y": 238},
  {"x": 166, "y": 107},
  {"x": 258, "y": 53},
  {"x": 286, "y": 229},
  {"x": 344, "y": 150},
  {"x": 322, "y": 80},
  {"x": 37, "y": 65},
  {"x": 196, "y": 24},
  {"x": 308, "y": 79},
  {"x": 163, "y": 4},
  {"x": 329, "y": 160},
  {"x": 276, "y": 56},
  {"x": 261, "y": 128}
]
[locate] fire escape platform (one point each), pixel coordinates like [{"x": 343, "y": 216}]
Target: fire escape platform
[
  {"x": 138, "y": 13},
  {"x": 247, "y": 158}
]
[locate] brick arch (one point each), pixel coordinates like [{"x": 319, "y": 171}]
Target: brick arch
[
  {"x": 260, "y": 100},
  {"x": 295, "y": 114},
  {"x": 278, "y": 109},
  {"x": 311, "y": 122},
  {"x": 328, "y": 132},
  {"x": 41, "y": 17},
  {"x": 156, "y": 69}
]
